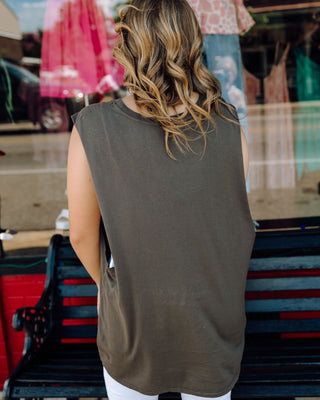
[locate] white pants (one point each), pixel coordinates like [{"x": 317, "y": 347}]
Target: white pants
[{"x": 116, "y": 391}]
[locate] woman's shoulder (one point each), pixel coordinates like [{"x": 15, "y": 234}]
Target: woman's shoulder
[
  {"x": 93, "y": 115},
  {"x": 93, "y": 110}
]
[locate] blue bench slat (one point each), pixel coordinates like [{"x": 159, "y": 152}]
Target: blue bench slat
[
  {"x": 65, "y": 252},
  {"x": 282, "y": 362},
  {"x": 283, "y": 325},
  {"x": 284, "y": 263},
  {"x": 58, "y": 391},
  {"x": 72, "y": 272},
  {"x": 286, "y": 372},
  {"x": 290, "y": 240},
  {"x": 275, "y": 389},
  {"x": 254, "y": 359},
  {"x": 77, "y": 331},
  {"x": 292, "y": 283},
  {"x": 66, "y": 374},
  {"x": 77, "y": 290},
  {"x": 80, "y": 312},
  {"x": 69, "y": 391},
  {"x": 258, "y": 348},
  {"x": 256, "y": 264},
  {"x": 283, "y": 305}
]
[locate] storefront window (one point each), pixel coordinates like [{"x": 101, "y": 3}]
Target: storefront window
[
  {"x": 269, "y": 68},
  {"x": 281, "y": 66},
  {"x": 55, "y": 58}
]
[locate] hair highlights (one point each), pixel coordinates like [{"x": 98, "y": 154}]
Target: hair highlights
[{"x": 160, "y": 46}]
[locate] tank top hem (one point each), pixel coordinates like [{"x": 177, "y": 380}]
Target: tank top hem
[{"x": 175, "y": 389}]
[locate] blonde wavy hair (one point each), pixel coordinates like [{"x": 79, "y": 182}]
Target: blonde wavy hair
[{"x": 160, "y": 46}]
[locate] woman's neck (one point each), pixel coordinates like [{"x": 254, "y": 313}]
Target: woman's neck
[{"x": 130, "y": 103}]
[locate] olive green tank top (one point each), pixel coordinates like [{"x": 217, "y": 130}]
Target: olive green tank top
[{"x": 172, "y": 311}]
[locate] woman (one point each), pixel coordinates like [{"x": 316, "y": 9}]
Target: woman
[{"x": 162, "y": 172}]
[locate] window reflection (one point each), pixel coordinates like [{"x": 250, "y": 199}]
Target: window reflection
[
  {"x": 281, "y": 66},
  {"x": 278, "y": 99}
]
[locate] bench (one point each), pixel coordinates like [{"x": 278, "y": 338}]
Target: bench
[{"x": 282, "y": 353}]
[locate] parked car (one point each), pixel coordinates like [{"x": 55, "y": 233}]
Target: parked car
[{"x": 20, "y": 100}]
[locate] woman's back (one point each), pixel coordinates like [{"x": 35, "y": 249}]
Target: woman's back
[
  {"x": 181, "y": 234},
  {"x": 170, "y": 189}
]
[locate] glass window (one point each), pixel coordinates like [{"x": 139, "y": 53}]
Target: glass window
[
  {"x": 281, "y": 67},
  {"x": 265, "y": 53}
]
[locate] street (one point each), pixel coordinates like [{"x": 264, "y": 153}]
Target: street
[{"x": 32, "y": 180}]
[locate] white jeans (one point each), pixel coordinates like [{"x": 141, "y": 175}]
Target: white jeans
[{"x": 116, "y": 391}]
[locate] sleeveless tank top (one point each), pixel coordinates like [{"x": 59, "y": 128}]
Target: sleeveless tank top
[{"x": 172, "y": 311}]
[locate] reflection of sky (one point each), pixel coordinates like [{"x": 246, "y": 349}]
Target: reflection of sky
[{"x": 31, "y": 12}]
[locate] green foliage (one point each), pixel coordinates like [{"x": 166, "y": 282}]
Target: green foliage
[{"x": 116, "y": 7}]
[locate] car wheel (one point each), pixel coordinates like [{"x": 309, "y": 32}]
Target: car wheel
[{"x": 54, "y": 118}]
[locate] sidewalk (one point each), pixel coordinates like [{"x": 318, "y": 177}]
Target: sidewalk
[{"x": 30, "y": 242}]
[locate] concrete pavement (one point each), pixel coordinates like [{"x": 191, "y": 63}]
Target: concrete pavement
[{"x": 32, "y": 180}]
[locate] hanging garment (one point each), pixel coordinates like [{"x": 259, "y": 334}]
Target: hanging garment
[
  {"x": 307, "y": 77},
  {"x": 256, "y": 147},
  {"x": 221, "y": 22},
  {"x": 75, "y": 56},
  {"x": 172, "y": 314},
  {"x": 279, "y": 151},
  {"x": 222, "y": 56},
  {"x": 224, "y": 17},
  {"x": 252, "y": 87},
  {"x": 307, "y": 115},
  {"x": 279, "y": 129},
  {"x": 114, "y": 79},
  {"x": 271, "y": 133},
  {"x": 276, "y": 83},
  {"x": 307, "y": 138}
]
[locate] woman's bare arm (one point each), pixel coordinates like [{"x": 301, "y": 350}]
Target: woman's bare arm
[
  {"x": 84, "y": 210},
  {"x": 245, "y": 154}
]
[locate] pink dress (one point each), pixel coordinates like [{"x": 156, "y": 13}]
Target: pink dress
[
  {"x": 225, "y": 17},
  {"x": 76, "y": 57}
]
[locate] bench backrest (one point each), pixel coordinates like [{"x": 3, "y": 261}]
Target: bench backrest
[
  {"x": 74, "y": 294},
  {"x": 282, "y": 295},
  {"x": 283, "y": 287}
]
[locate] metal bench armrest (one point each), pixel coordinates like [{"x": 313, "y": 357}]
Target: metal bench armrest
[{"x": 36, "y": 323}]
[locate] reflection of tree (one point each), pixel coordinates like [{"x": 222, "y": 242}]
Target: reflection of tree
[
  {"x": 31, "y": 44},
  {"x": 117, "y": 6},
  {"x": 5, "y": 82}
]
